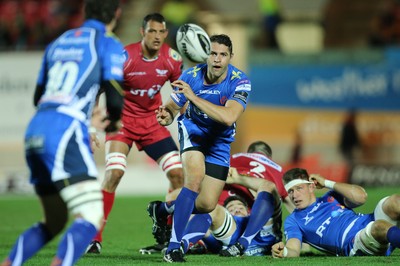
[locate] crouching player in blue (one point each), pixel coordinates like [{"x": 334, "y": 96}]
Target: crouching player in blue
[
  {"x": 329, "y": 224},
  {"x": 57, "y": 143}
]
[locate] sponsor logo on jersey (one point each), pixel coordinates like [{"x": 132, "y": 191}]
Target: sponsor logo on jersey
[
  {"x": 175, "y": 97},
  {"x": 136, "y": 73},
  {"x": 117, "y": 58},
  {"x": 117, "y": 71},
  {"x": 215, "y": 92},
  {"x": 78, "y": 33},
  {"x": 68, "y": 54},
  {"x": 223, "y": 100},
  {"x": 241, "y": 95},
  {"x": 308, "y": 219},
  {"x": 76, "y": 40},
  {"x": 236, "y": 75},
  {"x": 161, "y": 72},
  {"x": 243, "y": 87},
  {"x": 175, "y": 55},
  {"x": 194, "y": 71}
]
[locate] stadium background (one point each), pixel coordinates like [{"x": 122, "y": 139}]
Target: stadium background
[{"x": 324, "y": 64}]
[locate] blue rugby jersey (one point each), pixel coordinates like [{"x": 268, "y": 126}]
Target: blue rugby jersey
[
  {"x": 236, "y": 86},
  {"x": 75, "y": 64},
  {"x": 327, "y": 224}
]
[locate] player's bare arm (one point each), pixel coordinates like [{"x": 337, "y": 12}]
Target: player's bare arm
[
  {"x": 252, "y": 183},
  {"x": 226, "y": 115},
  {"x": 354, "y": 195}
]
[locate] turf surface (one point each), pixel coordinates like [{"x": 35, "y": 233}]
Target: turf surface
[{"x": 129, "y": 229}]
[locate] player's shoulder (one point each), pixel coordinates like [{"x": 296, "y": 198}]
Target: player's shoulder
[
  {"x": 171, "y": 53},
  {"x": 194, "y": 71},
  {"x": 133, "y": 48},
  {"x": 111, "y": 43},
  {"x": 237, "y": 75}
]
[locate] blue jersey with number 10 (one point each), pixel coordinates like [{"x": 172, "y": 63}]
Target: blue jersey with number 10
[{"x": 74, "y": 66}]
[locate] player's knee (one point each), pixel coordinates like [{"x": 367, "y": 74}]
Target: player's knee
[
  {"x": 394, "y": 202},
  {"x": 116, "y": 163},
  {"x": 171, "y": 161},
  {"x": 379, "y": 230},
  {"x": 85, "y": 200},
  {"x": 205, "y": 207},
  {"x": 175, "y": 177}
]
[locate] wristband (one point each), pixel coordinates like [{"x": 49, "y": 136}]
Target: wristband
[
  {"x": 329, "y": 184},
  {"x": 285, "y": 252},
  {"x": 92, "y": 130}
]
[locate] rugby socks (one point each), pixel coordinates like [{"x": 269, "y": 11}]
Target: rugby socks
[
  {"x": 262, "y": 210},
  {"x": 28, "y": 243},
  {"x": 108, "y": 201},
  {"x": 74, "y": 243},
  {"x": 212, "y": 244},
  {"x": 393, "y": 236},
  {"x": 183, "y": 209},
  {"x": 166, "y": 208},
  {"x": 196, "y": 229}
]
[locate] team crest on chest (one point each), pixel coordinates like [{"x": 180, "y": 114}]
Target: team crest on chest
[{"x": 161, "y": 72}]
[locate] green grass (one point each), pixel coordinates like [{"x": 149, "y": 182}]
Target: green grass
[{"x": 129, "y": 228}]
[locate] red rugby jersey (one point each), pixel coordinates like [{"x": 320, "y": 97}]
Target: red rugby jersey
[
  {"x": 143, "y": 78},
  {"x": 256, "y": 165}
]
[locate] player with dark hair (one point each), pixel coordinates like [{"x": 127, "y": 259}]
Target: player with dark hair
[
  {"x": 216, "y": 94},
  {"x": 329, "y": 223},
  {"x": 149, "y": 64},
  {"x": 74, "y": 67}
]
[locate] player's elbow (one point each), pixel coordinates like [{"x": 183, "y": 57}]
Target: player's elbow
[
  {"x": 362, "y": 196},
  {"x": 229, "y": 120}
]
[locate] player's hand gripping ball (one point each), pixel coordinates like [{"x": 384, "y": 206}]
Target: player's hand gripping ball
[{"x": 193, "y": 42}]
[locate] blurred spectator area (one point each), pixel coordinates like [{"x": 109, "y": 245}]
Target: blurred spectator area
[
  {"x": 304, "y": 25},
  {"x": 32, "y": 24}
]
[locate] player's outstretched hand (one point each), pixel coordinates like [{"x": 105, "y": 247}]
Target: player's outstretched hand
[{"x": 164, "y": 116}]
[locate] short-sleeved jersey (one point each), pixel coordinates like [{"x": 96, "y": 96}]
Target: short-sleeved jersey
[
  {"x": 255, "y": 165},
  {"x": 73, "y": 67},
  {"x": 144, "y": 78},
  {"x": 327, "y": 224},
  {"x": 236, "y": 86}
]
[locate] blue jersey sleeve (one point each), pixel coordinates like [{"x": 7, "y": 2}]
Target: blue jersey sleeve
[
  {"x": 113, "y": 60},
  {"x": 242, "y": 91},
  {"x": 292, "y": 229}
]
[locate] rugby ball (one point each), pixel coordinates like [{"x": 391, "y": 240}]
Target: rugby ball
[{"x": 193, "y": 42}]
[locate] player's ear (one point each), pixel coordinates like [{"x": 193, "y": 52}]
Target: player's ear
[{"x": 141, "y": 31}]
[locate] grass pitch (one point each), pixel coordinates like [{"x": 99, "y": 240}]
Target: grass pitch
[{"x": 129, "y": 229}]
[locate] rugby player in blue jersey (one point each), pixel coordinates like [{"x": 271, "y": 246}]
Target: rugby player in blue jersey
[
  {"x": 75, "y": 67},
  {"x": 329, "y": 224},
  {"x": 216, "y": 94}
]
